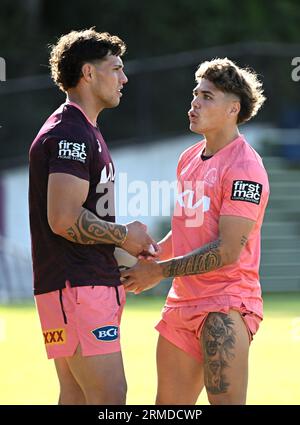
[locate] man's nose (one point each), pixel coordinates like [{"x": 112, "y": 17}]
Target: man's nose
[
  {"x": 195, "y": 103},
  {"x": 124, "y": 78}
]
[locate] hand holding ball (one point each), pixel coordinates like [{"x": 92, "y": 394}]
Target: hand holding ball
[{"x": 124, "y": 259}]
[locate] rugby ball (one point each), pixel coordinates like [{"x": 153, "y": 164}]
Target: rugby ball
[{"x": 124, "y": 259}]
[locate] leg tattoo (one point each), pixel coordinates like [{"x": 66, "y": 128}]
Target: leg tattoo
[{"x": 218, "y": 344}]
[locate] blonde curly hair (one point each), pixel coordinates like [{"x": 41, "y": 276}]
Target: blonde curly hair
[{"x": 243, "y": 82}]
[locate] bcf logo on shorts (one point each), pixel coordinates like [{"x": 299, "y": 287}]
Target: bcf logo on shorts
[
  {"x": 54, "y": 336},
  {"x": 106, "y": 333}
]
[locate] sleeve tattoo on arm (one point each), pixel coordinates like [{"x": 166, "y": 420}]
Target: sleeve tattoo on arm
[
  {"x": 89, "y": 229},
  {"x": 204, "y": 260}
]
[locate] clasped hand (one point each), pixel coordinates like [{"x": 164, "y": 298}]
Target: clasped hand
[{"x": 146, "y": 274}]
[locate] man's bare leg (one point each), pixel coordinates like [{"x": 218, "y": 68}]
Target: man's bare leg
[{"x": 225, "y": 344}]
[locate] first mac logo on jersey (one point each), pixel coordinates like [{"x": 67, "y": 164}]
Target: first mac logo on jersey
[
  {"x": 72, "y": 150},
  {"x": 245, "y": 190}
]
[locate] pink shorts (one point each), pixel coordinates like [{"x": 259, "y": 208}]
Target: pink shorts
[
  {"x": 182, "y": 326},
  {"x": 85, "y": 315}
]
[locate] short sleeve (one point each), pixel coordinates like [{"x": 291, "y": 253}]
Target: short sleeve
[
  {"x": 245, "y": 190},
  {"x": 69, "y": 157}
]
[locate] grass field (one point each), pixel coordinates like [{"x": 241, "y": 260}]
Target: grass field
[{"x": 27, "y": 377}]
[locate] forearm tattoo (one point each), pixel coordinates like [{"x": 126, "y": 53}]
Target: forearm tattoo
[
  {"x": 218, "y": 342},
  {"x": 89, "y": 229},
  {"x": 204, "y": 260}
]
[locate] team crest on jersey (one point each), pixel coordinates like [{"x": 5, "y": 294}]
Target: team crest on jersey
[
  {"x": 72, "y": 150},
  {"x": 210, "y": 177},
  {"x": 246, "y": 190},
  {"x": 106, "y": 333}
]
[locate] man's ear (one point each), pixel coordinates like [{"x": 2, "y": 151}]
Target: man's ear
[
  {"x": 235, "y": 108},
  {"x": 86, "y": 72}
]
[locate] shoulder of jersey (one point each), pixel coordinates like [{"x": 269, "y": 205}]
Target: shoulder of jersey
[
  {"x": 248, "y": 153},
  {"x": 187, "y": 153},
  {"x": 71, "y": 129}
]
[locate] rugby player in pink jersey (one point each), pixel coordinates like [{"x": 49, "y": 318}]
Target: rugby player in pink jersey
[
  {"x": 77, "y": 287},
  {"x": 214, "y": 306}
]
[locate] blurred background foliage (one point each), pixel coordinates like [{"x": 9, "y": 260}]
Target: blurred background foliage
[
  {"x": 263, "y": 35},
  {"x": 150, "y": 28}
]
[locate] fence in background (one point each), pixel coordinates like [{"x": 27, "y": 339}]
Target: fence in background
[
  {"x": 15, "y": 272},
  {"x": 156, "y": 98}
]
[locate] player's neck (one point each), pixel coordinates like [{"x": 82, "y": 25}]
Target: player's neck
[
  {"x": 87, "y": 104},
  {"x": 219, "y": 139}
]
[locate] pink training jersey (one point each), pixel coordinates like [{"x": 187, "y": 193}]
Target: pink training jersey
[{"x": 232, "y": 182}]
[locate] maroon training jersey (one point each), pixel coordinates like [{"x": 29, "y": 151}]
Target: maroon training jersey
[{"x": 69, "y": 143}]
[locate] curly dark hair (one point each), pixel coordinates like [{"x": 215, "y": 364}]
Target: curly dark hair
[
  {"x": 76, "y": 48},
  {"x": 243, "y": 82}
]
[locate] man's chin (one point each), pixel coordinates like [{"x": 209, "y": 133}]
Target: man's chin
[
  {"x": 195, "y": 129},
  {"x": 113, "y": 104}
]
